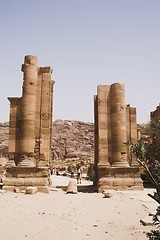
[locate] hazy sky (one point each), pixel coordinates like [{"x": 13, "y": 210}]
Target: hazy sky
[{"x": 87, "y": 43}]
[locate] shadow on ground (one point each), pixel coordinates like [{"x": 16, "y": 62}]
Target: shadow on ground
[{"x": 81, "y": 188}]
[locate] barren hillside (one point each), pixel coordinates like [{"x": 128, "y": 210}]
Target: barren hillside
[{"x": 70, "y": 139}]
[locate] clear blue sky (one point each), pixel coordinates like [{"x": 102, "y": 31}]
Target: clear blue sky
[{"x": 86, "y": 42}]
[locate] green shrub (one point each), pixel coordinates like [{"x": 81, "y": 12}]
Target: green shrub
[{"x": 91, "y": 172}]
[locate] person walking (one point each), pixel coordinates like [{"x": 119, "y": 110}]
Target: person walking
[{"x": 79, "y": 174}]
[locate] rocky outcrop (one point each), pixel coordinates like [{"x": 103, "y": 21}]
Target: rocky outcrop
[
  {"x": 72, "y": 145},
  {"x": 4, "y": 133},
  {"x": 70, "y": 139}
]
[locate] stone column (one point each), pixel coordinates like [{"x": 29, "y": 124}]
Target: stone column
[
  {"x": 45, "y": 115},
  {"x": 103, "y": 92},
  {"x": 133, "y": 132},
  {"x": 14, "y": 130},
  {"x": 28, "y": 109},
  {"x": 96, "y": 145},
  {"x": 114, "y": 125},
  {"x": 118, "y": 121},
  {"x": 155, "y": 119},
  {"x": 30, "y": 121},
  {"x": 132, "y": 135}
]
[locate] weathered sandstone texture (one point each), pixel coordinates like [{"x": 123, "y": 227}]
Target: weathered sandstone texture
[
  {"x": 4, "y": 134},
  {"x": 115, "y": 124},
  {"x": 75, "y": 136},
  {"x": 72, "y": 139},
  {"x": 30, "y": 128},
  {"x": 155, "y": 123}
]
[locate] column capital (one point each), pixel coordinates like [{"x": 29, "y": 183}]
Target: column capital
[
  {"x": 14, "y": 100},
  {"x": 46, "y": 69}
]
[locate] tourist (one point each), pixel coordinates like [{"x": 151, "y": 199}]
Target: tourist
[
  {"x": 57, "y": 171},
  {"x": 51, "y": 171},
  {"x": 79, "y": 174}
]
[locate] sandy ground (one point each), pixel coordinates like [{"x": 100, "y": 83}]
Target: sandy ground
[{"x": 81, "y": 216}]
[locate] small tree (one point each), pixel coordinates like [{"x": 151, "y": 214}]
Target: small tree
[
  {"x": 91, "y": 172},
  {"x": 148, "y": 155}
]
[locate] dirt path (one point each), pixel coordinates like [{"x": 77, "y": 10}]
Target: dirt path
[{"x": 81, "y": 216}]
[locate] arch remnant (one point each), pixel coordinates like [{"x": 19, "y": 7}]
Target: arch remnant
[
  {"x": 115, "y": 124},
  {"x": 30, "y": 129}
]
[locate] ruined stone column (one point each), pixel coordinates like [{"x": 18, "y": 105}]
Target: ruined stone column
[
  {"x": 44, "y": 115},
  {"x": 13, "y": 128},
  {"x": 30, "y": 130},
  {"x": 103, "y": 92},
  {"x": 118, "y": 121},
  {"x": 115, "y": 124},
  {"x": 96, "y": 145},
  {"x": 133, "y": 133},
  {"x": 155, "y": 119},
  {"x": 28, "y": 109}
]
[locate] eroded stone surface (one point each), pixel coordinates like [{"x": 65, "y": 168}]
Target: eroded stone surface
[
  {"x": 30, "y": 127},
  {"x": 115, "y": 124}
]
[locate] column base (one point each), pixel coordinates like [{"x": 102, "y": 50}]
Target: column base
[
  {"x": 120, "y": 164},
  {"x": 22, "y": 177},
  {"x": 10, "y": 163},
  {"x": 43, "y": 189},
  {"x": 117, "y": 183},
  {"x": 26, "y": 163},
  {"x": 119, "y": 178}
]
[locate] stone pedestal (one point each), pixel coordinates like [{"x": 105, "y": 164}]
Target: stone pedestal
[
  {"x": 22, "y": 177},
  {"x": 119, "y": 178}
]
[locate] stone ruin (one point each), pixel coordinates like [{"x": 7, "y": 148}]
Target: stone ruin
[
  {"x": 155, "y": 122},
  {"x": 115, "y": 124},
  {"x": 30, "y": 134},
  {"x": 30, "y": 129}
]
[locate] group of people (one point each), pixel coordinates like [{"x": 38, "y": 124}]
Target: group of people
[
  {"x": 79, "y": 173},
  {"x": 54, "y": 171}
]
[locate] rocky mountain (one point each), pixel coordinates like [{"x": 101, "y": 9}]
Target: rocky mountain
[
  {"x": 4, "y": 131},
  {"x": 70, "y": 139}
]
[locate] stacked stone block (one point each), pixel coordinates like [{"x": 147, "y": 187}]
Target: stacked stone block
[
  {"x": 31, "y": 129},
  {"x": 115, "y": 124}
]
